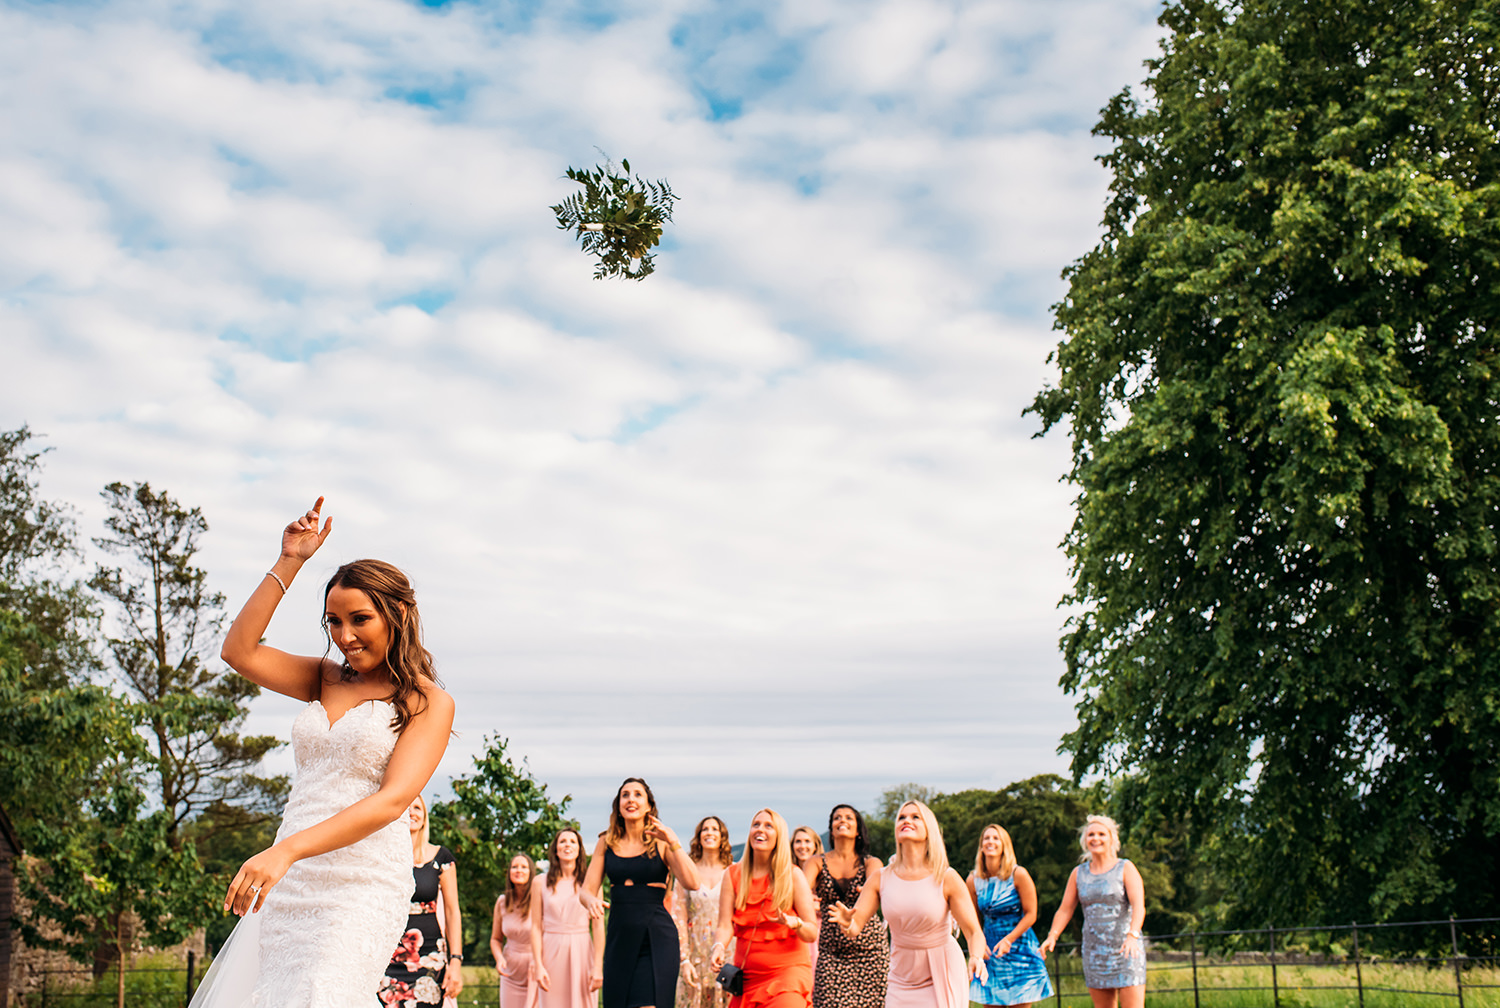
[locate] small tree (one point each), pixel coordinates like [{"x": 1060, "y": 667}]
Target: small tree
[
  {"x": 169, "y": 624},
  {"x": 498, "y": 812},
  {"x": 51, "y": 632},
  {"x": 618, "y": 218},
  {"x": 117, "y": 874}
]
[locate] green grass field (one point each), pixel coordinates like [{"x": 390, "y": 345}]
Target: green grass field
[{"x": 161, "y": 984}]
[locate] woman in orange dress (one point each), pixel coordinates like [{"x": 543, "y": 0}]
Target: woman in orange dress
[{"x": 768, "y": 906}]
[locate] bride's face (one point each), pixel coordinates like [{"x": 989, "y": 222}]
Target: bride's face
[{"x": 357, "y": 629}]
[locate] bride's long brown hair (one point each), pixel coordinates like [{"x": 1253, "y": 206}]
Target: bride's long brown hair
[{"x": 409, "y": 663}]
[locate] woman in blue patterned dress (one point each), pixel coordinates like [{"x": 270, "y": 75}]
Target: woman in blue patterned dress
[
  {"x": 1006, "y": 899},
  {"x": 1114, "y": 908}
]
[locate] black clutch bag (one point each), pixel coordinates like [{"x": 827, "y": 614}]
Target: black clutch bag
[{"x": 732, "y": 979}]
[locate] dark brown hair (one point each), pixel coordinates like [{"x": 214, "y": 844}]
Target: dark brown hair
[
  {"x": 518, "y": 898},
  {"x": 408, "y": 662},
  {"x": 616, "y": 831},
  {"x": 554, "y": 869},
  {"x": 725, "y": 854}
]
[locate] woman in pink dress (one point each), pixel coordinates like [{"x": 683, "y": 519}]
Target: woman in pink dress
[
  {"x": 510, "y": 936},
  {"x": 919, "y": 895},
  {"x": 569, "y": 949}
]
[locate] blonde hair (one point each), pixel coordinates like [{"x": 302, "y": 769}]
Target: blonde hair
[
  {"x": 426, "y": 820},
  {"x": 1007, "y": 854},
  {"x": 781, "y": 867},
  {"x": 936, "y": 857},
  {"x": 1109, "y": 824},
  {"x": 817, "y": 841}
]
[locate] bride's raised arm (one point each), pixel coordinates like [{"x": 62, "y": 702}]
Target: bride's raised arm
[{"x": 297, "y": 676}]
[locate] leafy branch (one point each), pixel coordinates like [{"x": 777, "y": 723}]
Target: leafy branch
[{"x": 618, "y": 218}]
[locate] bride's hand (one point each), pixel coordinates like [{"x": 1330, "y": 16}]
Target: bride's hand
[
  {"x": 254, "y": 881},
  {"x": 301, "y": 539}
]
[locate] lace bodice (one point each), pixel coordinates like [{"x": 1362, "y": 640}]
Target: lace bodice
[{"x": 338, "y": 764}]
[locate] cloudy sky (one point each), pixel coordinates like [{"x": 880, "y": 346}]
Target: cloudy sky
[{"x": 768, "y": 527}]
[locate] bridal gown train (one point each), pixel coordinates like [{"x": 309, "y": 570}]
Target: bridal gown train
[{"x": 325, "y": 934}]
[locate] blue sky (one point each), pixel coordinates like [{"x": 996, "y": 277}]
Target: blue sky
[{"x": 768, "y": 528}]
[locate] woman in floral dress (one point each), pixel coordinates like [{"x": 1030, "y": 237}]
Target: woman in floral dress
[
  {"x": 697, "y": 914},
  {"x": 419, "y": 972}
]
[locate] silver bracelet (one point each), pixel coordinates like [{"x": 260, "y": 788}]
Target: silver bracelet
[{"x": 273, "y": 574}]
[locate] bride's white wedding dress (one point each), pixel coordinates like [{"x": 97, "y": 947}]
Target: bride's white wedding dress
[{"x": 328, "y": 928}]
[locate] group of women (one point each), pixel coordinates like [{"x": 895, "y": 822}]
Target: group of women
[
  {"x": 368, "y": 739},
  {"x": 801, "y": 927}
]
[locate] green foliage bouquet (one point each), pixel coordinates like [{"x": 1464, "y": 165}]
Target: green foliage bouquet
[{"x": 618, "y": 218}]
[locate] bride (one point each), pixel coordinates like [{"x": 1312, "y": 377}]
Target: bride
[{"x": 336, "y": 885}]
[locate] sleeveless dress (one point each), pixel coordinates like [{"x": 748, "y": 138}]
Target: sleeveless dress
[
  {"x": 851, "y": 972},
  {"x": 640, "y": 941},
  {"x": 567, "y": 947},
  {"x": 927, "y": 966},
  {"x": 517, "y": 988},
  {"x": 325, "y": 934},
  {"x": 1106, "y": 918},
  {"x": 1019, "y": 976},
  {"x": 416, "y": 971},
  {"x": 696, "y": 913},
  {"x": 778, "y": 969}
]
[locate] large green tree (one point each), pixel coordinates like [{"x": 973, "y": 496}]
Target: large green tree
[
  {"x": 1280, "y": 376},
  {"x": 166, "y": 655},
  {"x": 497, "y": 812}
]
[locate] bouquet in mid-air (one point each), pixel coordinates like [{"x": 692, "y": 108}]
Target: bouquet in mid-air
[{"x": 618, "y": 218}]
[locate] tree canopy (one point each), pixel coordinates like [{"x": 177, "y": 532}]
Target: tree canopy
[{"x": 1279, "y": 371}]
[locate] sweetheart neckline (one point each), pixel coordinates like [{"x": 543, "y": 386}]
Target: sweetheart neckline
[{"x": 331, "y": 721}]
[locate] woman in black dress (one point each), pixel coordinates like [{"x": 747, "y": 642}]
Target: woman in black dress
[
  {"x": 640, "y": 944},
  {"x": 423, "y": 969},
  {"x": 850, "y": 972}
]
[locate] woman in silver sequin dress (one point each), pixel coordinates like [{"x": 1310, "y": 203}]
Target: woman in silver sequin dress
[{"x": 1114, "y": 908}]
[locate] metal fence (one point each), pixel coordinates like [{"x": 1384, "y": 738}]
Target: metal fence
[
  {"x": 1407, "y": 963},
  {"x": 1360, "y": 965}
]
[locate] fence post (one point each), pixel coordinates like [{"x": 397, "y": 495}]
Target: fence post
[
  {"x": 44, "y": 988},
  {"x": 1057, "y": 969},
  {"x": 1359, "y": 976},
  {"x": 1271, "y": 949},
  {"x": 187, "y": 997},
  {"x": 1458, "y": 973},
  {"x": 1193, "y": 949}
]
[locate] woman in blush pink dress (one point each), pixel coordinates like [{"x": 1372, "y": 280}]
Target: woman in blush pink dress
[
  {"x": 568, "y": 947},
  {"x": 918, "y": 894},
  {"x": 510, "y": 936}
]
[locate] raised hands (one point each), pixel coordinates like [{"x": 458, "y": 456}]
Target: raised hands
[
  {"x": 843, "y": 916},
  {"x": 301, "y": 539},
  {"x": 656, "y": 830}
]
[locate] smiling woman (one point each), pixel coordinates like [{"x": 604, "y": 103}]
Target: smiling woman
[
  {"x": 335, "y": 887},
  {"x": 640, "y": 946}
]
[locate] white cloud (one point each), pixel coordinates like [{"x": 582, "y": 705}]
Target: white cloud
[{"x": 785, "y": 480}]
